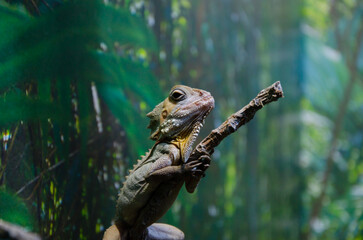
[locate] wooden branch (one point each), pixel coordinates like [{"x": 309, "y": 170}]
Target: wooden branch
[
  {"x": 235, "y": 121},
  {"x": 11, "y": 231}
]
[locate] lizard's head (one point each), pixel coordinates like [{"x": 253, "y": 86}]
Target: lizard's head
[{"x": 181, "y": 115}]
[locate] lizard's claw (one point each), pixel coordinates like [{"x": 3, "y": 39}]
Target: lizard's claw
[
  {"x": 199, "y": 165},
  {"x": 192, "y": 166},
  {"x": 205, "y": 159}
]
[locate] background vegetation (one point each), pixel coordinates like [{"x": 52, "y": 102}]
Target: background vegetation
[{"x": 78, "y": 77}]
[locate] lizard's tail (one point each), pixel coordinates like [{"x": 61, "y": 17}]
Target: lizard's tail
[{"x": 112, "y": 233}]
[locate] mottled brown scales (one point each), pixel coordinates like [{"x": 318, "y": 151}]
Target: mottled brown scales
[{"x": 154, "y": 182}]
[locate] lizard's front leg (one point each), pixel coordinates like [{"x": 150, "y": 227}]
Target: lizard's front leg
[
  {"x": 192, "y": 180},
  {"x": 171, "y": 179},
  {"x": 180, "y": 171}
]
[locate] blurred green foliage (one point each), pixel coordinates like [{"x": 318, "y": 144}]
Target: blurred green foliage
[
  {"x": 64, "y": 48},
  {"x": 13, "y": 209},
  {"x": 56, "y": 72},
  {"x": 77, "y": 78}
]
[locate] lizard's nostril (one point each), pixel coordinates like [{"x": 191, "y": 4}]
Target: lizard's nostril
[{"x": 200, "y": 93}]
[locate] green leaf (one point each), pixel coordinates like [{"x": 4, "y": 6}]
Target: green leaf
[
  {"x": 18, "y": 107},
  {"x": 14, "y": 210},
  {"x": 130, "y": 75},
  {"x": 57, "y": 44},
  {"x": 11, "y": 17},
  {"x": 129, "y": 118}
]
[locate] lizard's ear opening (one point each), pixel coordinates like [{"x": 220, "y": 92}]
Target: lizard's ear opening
[{"x": 154, "y": 124}]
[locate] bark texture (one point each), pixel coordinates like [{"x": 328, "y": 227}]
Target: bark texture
[{"x": 235, "y": 121}]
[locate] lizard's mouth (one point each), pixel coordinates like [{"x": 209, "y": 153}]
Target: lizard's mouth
[{"x": 194, "y": 121}]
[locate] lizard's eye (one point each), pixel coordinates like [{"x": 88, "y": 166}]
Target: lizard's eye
[{"x": 177, "y": 95}]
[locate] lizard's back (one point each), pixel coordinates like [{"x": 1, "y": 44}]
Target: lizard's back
[{"x": 136, "y": 191}]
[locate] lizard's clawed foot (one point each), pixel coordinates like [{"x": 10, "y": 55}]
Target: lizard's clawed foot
[
  {"x": 205, "y": 160},
  {"x": 201, "y": 164},
  {"x": 192, "y": 167}
]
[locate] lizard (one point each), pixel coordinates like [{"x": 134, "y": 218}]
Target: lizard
[{"x": 155, "y": 181}]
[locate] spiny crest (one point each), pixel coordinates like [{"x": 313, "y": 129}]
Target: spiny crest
[
  {"x": 135, "y": 166},
  {"x": 139, "y": 162},
  {"x": 154, "y": 124}
]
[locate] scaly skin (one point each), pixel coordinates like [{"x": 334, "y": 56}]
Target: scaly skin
[{"x": 154, "y": 183}]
